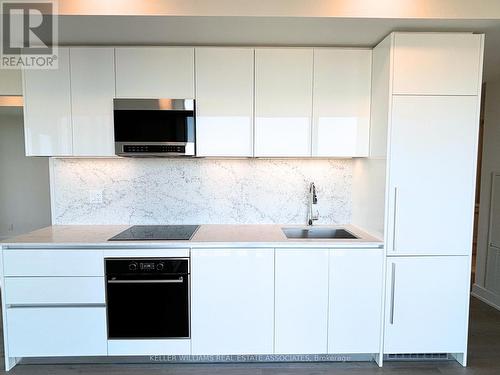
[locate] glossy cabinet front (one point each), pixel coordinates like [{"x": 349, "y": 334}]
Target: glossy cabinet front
[
  {"x": 355, "y": 300},
  {"x": 264, "y": 102},
  {"x": 155, "y": 72},
  {"x": 437, "y": 63},
  {"x": 47, "y": 110},
  {"x": 224, "y": 101},
  {"x": 232, "y": 301},
  {"x": 54, "y": 303},
  {"x": 283, "y": 101},
  {"x": 432, "y": 174},
  {"x": 301, "y": 301},
  {"x": 426, "y": 304},
  {"x": 341, "y": 102},
  {"x": 92, "y": 93}
]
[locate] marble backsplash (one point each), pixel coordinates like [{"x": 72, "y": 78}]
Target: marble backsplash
[{"x": 198, "y": 191}]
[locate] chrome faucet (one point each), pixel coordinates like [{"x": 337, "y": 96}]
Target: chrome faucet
[{"x": 313, "y": 199}]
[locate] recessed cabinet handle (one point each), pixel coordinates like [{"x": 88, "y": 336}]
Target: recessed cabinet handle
[
  {"x": 395, "y": 216},
  {"x": 54, "y": 305},
  {"x": 393, "y": 288}
]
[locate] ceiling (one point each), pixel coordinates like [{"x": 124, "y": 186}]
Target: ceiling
[{"x": 287, "y": 31}]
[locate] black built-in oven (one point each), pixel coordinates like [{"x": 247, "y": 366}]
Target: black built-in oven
[{"x": 147, "y": 298}]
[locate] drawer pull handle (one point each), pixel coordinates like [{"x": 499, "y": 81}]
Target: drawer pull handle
[
  {"x": 393, "y": 287},
  {"x": 54, "y": 305},
  {"x": 395, "y": 218}
]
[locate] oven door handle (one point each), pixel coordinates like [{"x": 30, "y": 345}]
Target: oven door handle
[{"x": 174, "y": 281}]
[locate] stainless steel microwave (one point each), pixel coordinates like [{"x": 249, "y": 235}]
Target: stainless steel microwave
[{"x": 154, "y": 127}]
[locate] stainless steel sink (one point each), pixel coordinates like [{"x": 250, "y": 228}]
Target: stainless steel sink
[{"x": 318, "y": 233}]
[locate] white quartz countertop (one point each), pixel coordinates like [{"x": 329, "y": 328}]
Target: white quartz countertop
[{"x": 211, "y": 235}]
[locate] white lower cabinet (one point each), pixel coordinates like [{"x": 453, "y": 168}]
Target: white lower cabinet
[
  {"x": 301, "y": 301},
  {"x": 355, "y": 301},
  {"x": 56, "y": 331},
  {"x": 232, "y": 301},
  {"x": 149, "y": 347},
  {"x": 426, "y": 299}
]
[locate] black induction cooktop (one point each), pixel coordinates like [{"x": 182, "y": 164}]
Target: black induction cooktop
[{"x": 156, "y": 233}]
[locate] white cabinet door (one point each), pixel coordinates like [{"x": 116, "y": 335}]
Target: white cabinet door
[
  {"x": 224, "y": 101},
  {"x": 341, "y": 102},
  {"x": 283, "y": 101},
  {"x": 232, "y": 301},
  {"x": 432, "y": 174},
  {"x": 58, "y": 331},
  {"x": 47, "y": 110},
  {"x": 426, "y": 304},
  {"x": 355, "y": 301},
  {"x": 155, "y": 72},
  {"x": 437, "y": 63},
  {"x": 301, "y": 301},
  {"x": 92, "y": 93}
]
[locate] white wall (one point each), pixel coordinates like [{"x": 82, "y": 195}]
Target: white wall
[
  {"x": 198, "y": 191},
  {"x": 10, "y": 82},
  {"x": 24, "y": 182},
  {"x": 486, "y": 270}
]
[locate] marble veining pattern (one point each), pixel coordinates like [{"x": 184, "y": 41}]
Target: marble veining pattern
[{"x": 198, "y": 191}]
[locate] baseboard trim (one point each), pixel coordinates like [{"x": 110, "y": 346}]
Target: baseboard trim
[{"x": 486, "y": 296}]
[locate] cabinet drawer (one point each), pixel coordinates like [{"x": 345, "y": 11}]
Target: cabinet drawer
[
  {"x": 54, "y": 290},
  {"x": 48, "y": 332},
  {"x": 36, "y": 262}
]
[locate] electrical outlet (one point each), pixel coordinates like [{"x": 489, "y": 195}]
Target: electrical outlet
[{"x": 96, "y": 196}]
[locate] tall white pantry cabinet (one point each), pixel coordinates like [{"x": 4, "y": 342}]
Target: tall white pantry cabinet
[{"x": 424, "y": 131}]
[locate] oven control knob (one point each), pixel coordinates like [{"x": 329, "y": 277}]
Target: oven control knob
[
  {"x": 160, "y": 266},
  {"x": 132, "y": 266}
]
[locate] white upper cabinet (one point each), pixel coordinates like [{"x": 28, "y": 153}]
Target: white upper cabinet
[
  {"x": 155, "y": 72},
  {"x": 224, "y": 101},
  {"x": 432, "y": 174},
  {"x": 232, "y": 301},
  {"x": 283, "y": 101},
  {"x": 341, "y": 102},
  {"x": 92, "y": 92},
  {"x": 355, "y": 301},
  {"x": 47, "y": 110},
  {"x": 426, "y": 304},
  {"x": 437, "y": 63},
  {"x": 301, "y": 301}
]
